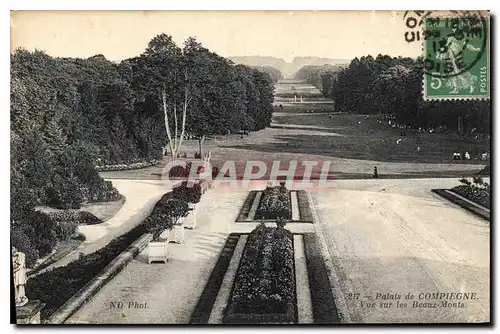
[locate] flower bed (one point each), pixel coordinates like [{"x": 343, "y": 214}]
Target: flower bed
[
  {"x": 125, "y": 166},
  {"x": 480, "y": 196},
  {"x": 264, "y": 286},
  {"x": 75, "y": 216},
  {"x": 275, "y": 202}
]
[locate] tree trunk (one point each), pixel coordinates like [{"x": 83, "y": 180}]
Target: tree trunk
[{"x": 201, "y": 140}]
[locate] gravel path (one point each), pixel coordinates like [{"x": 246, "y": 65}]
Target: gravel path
[
  {"x": 397, "y": 238},
  {"x": 141, "y": 197}
]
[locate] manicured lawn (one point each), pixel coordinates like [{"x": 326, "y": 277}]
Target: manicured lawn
[{"x": 359, "y": 138}]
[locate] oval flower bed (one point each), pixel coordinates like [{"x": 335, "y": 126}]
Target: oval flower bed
[
  {"x": 275, "y": 202},
  {"x": 264, "y": 286}
]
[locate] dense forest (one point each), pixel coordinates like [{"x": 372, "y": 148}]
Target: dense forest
[
  {"x": 393, "y": 85},
  {"x": 322, "y": 77},
  {"x": 273, "y": 72},
  {"x": 69, "y": 115}
]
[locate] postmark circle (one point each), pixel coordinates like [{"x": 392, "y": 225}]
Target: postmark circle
[{"x": 453, "y": 46}]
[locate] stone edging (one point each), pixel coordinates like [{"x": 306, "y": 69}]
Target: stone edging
[
  {"x": 467, "y": 205},
  {"x": 91, "y": 288},
  {"x": 342, "y": 309}
]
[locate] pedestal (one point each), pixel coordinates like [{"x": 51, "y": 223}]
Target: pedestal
[
  {"x": 29, "y": 313},
  {"x": 177, "y": 234},
  {"x": 158, "y": 252}
]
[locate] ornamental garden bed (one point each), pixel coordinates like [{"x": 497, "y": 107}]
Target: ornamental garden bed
[
  {"x": 258, "y": 307},
  {"x": 474, "y": 196},
  {"x": 450, "y": 196},
  {"x": 264, "y": 286},
  {"x": 275, "y": 202}
]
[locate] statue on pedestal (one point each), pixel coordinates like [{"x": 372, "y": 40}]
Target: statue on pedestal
[{"x": 19, "y": 266}]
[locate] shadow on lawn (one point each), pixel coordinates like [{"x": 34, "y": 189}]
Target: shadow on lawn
[{"x": 366, "y": 147}]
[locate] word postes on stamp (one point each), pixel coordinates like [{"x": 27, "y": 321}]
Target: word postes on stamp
[{"x": 456, "y": 57}]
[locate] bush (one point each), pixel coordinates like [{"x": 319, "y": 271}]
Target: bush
[
  {"x": 65, "y": 230},
  {"x": 281, "y": 222},
  {"x": 265, "y": 280},
  {"x": 190, "y": 193},
  {"x": 215, "y": 171},
  {"x": 157, "y": 223},
  {"x": 75, "y": 216},
  {"x": 87, "y": 218},
  {"x": 176, "y": 208},
  {"x": 64, "y": 193},
  {"x": 105, "y": 192},
  {"x": 274, "y": 203}
]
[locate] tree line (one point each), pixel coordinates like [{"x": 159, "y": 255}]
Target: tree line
[
  {"x": 322, "y": 77},
  {"x": 69, "y": 114},
  {"x": 393, "y": 85}
]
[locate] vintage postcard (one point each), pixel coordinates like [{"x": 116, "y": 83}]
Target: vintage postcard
[{"x": 250, "y": 167}]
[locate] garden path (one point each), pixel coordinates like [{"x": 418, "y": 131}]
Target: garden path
[{"x": 141, "y": 196}]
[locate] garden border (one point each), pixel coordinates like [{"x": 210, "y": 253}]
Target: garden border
[
  {"x": 322, "y": 299},
  {"x": 472, "y": 208},
  {"x": 203, "y": 309},
  {"x": 72, "y": 305}
]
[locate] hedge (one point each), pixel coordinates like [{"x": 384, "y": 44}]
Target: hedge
[{"x": 56, "y": 286}]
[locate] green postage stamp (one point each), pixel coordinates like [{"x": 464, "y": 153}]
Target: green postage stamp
[{"x": 457, "y": 57}]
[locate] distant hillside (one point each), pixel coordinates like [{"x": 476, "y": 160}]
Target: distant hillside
[{"x": 288, "y": 69}]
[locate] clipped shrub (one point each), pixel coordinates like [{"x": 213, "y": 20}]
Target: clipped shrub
[
  {"x": 215, "y": 171},
  {"x": 176, "y": 208},
  {"x": 189, "y": 192},
  {"x": 157, "y": 223},
  {"x": 281, "y": 222}
]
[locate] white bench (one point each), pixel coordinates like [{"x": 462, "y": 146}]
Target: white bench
[{"x": 158, "y": 251}]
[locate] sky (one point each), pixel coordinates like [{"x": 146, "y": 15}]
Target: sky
[{"x": 123, "y": 34}]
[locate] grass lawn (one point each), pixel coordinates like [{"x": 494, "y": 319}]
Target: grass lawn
[{"x": 359, "y": 138}]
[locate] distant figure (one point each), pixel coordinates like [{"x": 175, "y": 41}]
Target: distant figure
[
  {"x": 484, "y": 156},
  {"x": 375, "y": 172},
  {"x": 418, "y": 148},
  {"x": 467, "y": 155}
]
